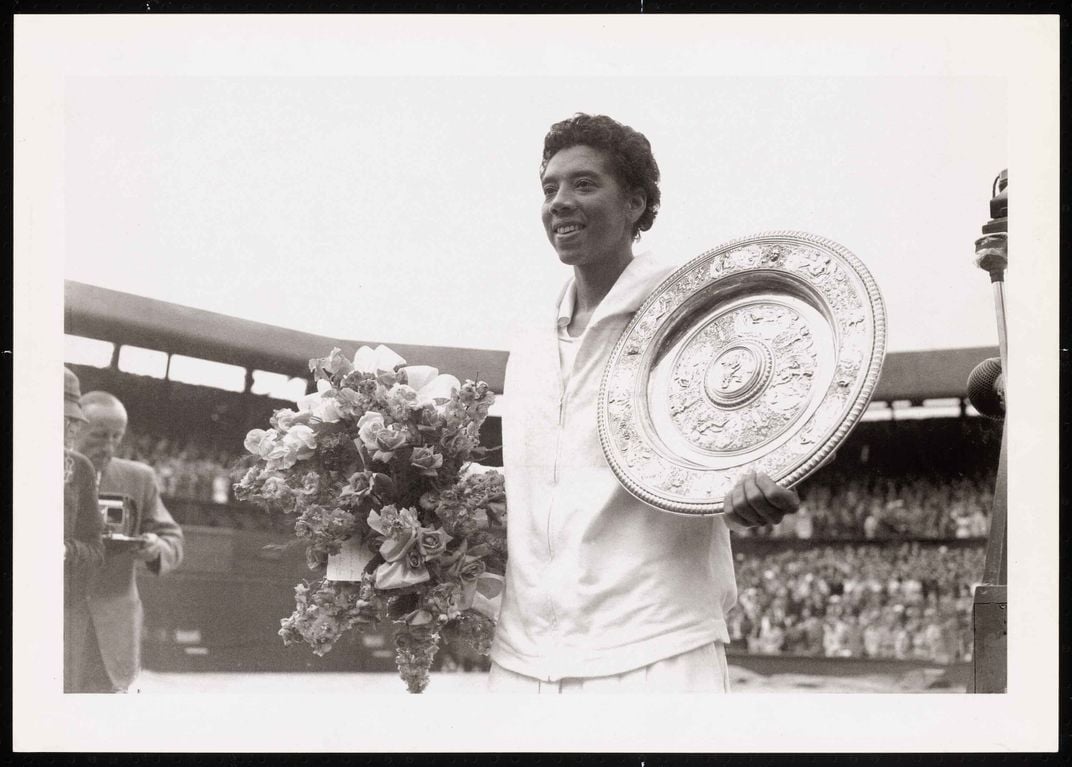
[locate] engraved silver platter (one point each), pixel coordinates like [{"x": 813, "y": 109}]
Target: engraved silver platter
[{"x": 761, "y": 354}]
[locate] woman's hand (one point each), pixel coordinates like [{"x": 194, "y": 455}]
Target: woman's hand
[{"x": 756, "y": 500}]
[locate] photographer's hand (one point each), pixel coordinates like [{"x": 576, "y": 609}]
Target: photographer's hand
[{"x": 149, "y": 549}]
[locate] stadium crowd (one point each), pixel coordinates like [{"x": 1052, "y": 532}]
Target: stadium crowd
[
  {"x": 867, "y": 601},
  {"x": 184, "y": 469},
  {"x": 874, "y": 505},
  {"x": 838, "y": 503},
  {"x": 885, "y": 594}
]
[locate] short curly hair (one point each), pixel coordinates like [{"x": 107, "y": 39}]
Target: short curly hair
[{"x": 629, "y": 151}]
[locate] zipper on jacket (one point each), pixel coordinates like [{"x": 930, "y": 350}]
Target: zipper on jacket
[
  {"x": 554, "y": 471},
  {"x": 550, "y": 553},
  {"x": 558, "y": 431},
  {"x": 563, "y": 387}
]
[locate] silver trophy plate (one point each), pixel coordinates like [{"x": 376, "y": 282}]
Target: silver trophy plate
[{"x": 761, "y": 354}]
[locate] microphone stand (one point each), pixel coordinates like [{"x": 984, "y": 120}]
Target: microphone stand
[{"x": 990, "y": 607}]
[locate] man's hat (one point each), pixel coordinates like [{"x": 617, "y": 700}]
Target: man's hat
[{"x": 72, "y": 393}]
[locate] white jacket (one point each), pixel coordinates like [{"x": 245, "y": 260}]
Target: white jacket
[{"x": 597, "y": 582}]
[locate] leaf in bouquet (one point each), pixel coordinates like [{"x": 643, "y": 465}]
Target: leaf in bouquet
[
  {"x": 281, "y": 548},
  {"x": 480, "y": 550},
  {"x": 401, "y": 605},
  {"x": 382, "y": 484},
  {"x": 363, "y": 454},
  {"x": 375, "y": 562},
  {"x": 417, "y": 617},
  {"x": 452, "y": 555}
]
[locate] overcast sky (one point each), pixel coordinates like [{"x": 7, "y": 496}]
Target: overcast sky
[{"x": 406, "y": 209}]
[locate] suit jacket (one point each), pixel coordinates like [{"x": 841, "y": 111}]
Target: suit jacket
[
  {"x": 114, "y": 603},
  {"x": 82, "y": 527},
  {"x": 83, "y": 553}
]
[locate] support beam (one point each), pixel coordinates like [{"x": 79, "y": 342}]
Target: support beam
[{"x": 990, "y": 607}]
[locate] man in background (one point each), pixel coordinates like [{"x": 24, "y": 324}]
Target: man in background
[
  {"x": 113, "y": 645},
  {"x": 83, "y": 548}
]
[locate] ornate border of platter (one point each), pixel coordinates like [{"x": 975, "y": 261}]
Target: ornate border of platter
[{"x": 761, "y": 354}]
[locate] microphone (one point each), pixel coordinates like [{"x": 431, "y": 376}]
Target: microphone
[
  {"x": 986, "y": 388},
  {"x": 992, "y": 255}
]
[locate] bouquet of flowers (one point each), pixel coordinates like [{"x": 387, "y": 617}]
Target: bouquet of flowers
[{"x": 377, "y": 468}]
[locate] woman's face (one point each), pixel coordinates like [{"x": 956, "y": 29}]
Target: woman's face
[{"x": 586, "y": 213}]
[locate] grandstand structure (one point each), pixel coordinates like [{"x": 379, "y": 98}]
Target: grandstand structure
[
  {"x": 123, "y": 319},
  {"x": 220, "y": 611}
]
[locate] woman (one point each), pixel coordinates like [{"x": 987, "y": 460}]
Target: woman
[{"x": 83, "y": 548}]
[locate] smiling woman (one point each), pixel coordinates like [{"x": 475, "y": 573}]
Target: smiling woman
[
  {"x": 627, "y": 153},
  {"x": 589, "y": 216}
]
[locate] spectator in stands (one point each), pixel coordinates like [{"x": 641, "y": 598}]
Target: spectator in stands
[
  {"x": 83, "y": 548},
  {"x": 935, "y": 643},
  {"x": 873, "y": 596},
  {"x": 902, "y": 636},
  {"x": 872, "y": 633},
  {"x": 804, "y": 524},
  {"x": 784, "y": 529},
  {"x": 813, "y": 632},
  {"x": 113, "y": 643},
  {"x": 873, "y": 521},
  {"x": 795, "y": 640},
  {"x": 835, "y": 631},
  {"x": 913, "y": 505},
  {"x": 963, "y": 523},
  {"x": 854, "y": 637}
]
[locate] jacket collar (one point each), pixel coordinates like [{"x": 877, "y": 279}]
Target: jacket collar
[{"x": 633, "y": 286}]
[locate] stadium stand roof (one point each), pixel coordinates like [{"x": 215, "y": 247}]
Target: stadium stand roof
[
  {"x": 917, "y": 376},
  {"x": 126, "y": 319},
  {"x": 122, "y": 318}
]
